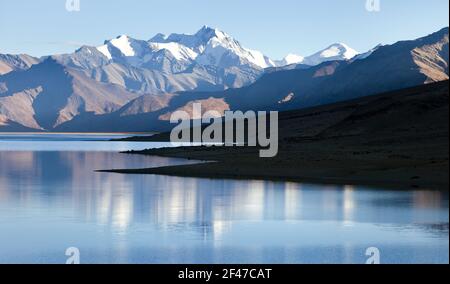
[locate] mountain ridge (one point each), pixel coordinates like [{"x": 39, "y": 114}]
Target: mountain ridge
[{"x": 94, "y": 91}]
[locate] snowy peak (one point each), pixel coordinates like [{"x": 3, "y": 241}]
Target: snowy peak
[
  {"x": 123, "y": 43},
  {"x": 289, "y": 60},
  {"x": 337, "y": 51},
  {"x": 178, "y": 51},
  {"x": 122, "y": 46},
  {"x": 208, "y": 47},
  {"x": 196, "y": 42},
  {"x": 207, "y": 33},
  {"x": 138, "y": 53},
  {"x": 217, "y": 48},
  {"x": 334, "y": 52},
  {"x": 224, "y": 51},
  {"x": 293, "y": 58}
]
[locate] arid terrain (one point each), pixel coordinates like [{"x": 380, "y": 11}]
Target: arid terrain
[{"x": 397, "y": 139}]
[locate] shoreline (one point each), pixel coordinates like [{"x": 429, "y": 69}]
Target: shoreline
[
  {"x": 398, "y": 175},
  {"x": 397, "y": 139},
  {"x": 189, "y": 172}
]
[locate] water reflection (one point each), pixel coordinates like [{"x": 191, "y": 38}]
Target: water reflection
[{"x": 138, "y": 212}]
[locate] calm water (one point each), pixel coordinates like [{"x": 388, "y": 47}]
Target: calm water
[{"x": 51, "y": 199}]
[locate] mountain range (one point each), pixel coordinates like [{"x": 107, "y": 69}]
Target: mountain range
[{"x": 134, "y": 85}]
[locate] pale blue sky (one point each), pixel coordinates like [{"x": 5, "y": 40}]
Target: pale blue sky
[{"x": 276, "y": 27}]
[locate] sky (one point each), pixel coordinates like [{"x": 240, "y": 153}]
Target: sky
[{"x": 275, "y": 27}]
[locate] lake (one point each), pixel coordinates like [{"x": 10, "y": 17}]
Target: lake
[{"x": 51, "y": 199}]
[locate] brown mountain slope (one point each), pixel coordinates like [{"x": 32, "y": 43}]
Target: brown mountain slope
[
  {"x": 72, "y": 99},
  {"x": 49, "y": 94},
  {"x": 393, "y": 67},
  {"x": 10, "y": 63},
  {"x": 401, "y": 65},
  {"x": 393, "y": 139}
]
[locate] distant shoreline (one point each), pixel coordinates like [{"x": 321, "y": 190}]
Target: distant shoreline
[
  {"x": 399, "y": 139},
  {"x": 217, "y": 170}
]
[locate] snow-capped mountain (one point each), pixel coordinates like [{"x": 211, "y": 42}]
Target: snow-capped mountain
[
  {"x": 216, "y": 48},
  {"x": 207, "y": 47},
  {"x": 137, "y": 53},
  {"x": 207, "y": 60},
  {"x": 335, "y": 52},
  {"x": 289, "y": 60},
  {"x": 212, "y": 47},
  {"x": 128, "y": 84},
  {"x": 196, "y": 42}
]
